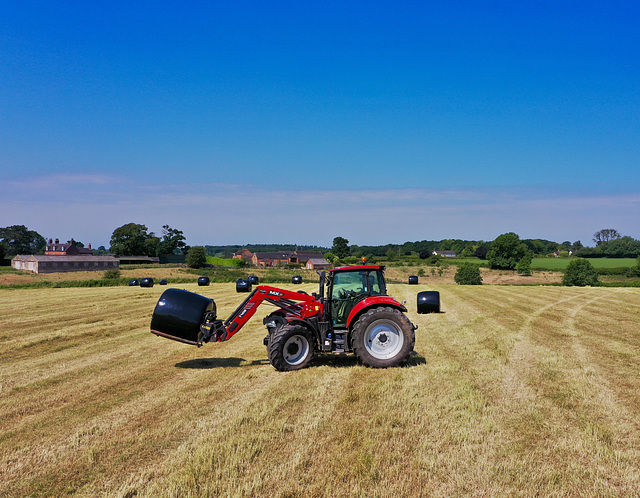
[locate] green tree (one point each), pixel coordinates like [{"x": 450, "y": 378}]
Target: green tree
[
  {"x": 634, "y": 271},
  {"x": 2, "y": 251},
  {"x": 112, "y": 274},
  {"x": 622, "y": 247},
  {"x": 468, "y": 250},
  {"x": 605, "y": 235},
  {"x": 580, "y": 272},
  {"x": 576, "y": 246},
  {"x": 482, "y": 251},
  {"x": 331, "y": 258},
  {"x": 506, "y": 251},
  {"x": 524, "y": 265},
  {"x": 133, "y": 240},
  {"x": 197, "y": 257},
  {"x": 468, "y": 274},
  {"x": 340, "y": 247},
  {"x": 173, "y": 241},
  {"x": 18, "y": 239}
]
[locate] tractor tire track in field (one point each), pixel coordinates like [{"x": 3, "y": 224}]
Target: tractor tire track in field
[
  {"x": 524, "y": 357},
  {"x": 617, "y": 410},
  {"x": 551, "y": 381}
]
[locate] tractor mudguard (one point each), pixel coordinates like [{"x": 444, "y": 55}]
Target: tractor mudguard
[{"x": 373, "y": 301}]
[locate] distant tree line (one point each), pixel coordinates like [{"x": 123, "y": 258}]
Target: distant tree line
[
  {"x": 621, "y": 247},
  {"x": 134, "y": 239},
  {"x": 465, "y": 248}
]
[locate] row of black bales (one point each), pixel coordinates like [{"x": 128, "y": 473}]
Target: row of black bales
[
  {"x": 146, "y": 282},
  {"x": 240, "y": 283},
  {"x": 428, "y": 301},
  {"x": 245, "y": 284}
]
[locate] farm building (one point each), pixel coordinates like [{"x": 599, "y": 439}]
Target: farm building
[
  {"x": 55, "y": 248},
  {"x": 317, "y": 264},
  {"x": 271, "y": 258},
  {"x": 244, "y": 253},
  {"x": 284, "y": 257},
  {"x": 57, "y": 264},
  {"x": 445, "y": 254}
]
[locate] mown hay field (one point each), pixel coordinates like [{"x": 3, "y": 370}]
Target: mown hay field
[{"x": 512, "y": 391}]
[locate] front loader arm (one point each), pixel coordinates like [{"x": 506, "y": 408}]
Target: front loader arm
[{"x": 294, "y": 303}]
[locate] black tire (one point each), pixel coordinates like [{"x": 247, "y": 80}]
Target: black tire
[
  {"x": 290, "y": 348},
  {"x": 273, "y": 322},
  {"x": 383, "y": 337}
]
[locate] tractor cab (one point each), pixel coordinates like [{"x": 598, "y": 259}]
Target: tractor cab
[{"x": 349, "y": 285}]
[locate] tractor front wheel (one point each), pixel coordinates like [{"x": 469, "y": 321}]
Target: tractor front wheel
[
  {"x": 383, "y": 337},
  {"x": 290, "y": 348}
]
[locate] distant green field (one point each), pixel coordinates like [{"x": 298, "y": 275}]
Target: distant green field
[
  {"x": 213, "y": 260},
  {"x": 561, "y": 263}
]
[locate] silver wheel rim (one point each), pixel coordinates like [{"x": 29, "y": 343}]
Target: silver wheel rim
[
  {"x": 295, "y": 350},
  {"x": 383, "y": 339}
]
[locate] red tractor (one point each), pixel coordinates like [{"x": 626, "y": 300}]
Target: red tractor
[{"x": 355, "y": 315}]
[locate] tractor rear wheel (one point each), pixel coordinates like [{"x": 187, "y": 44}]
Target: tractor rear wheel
[
  {"x": 383, "y": 337},
  {"x": 290, "y": 348}
]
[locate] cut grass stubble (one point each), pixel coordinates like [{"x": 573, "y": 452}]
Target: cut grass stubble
[{"x": 513, "y": 390}]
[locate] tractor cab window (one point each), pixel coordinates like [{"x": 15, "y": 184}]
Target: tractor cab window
[
  {"x": 349, "y": 288},
  {"x": 375, "y": 284}
]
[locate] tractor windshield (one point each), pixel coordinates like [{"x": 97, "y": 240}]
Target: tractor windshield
[{"x": 349, "y": 288}]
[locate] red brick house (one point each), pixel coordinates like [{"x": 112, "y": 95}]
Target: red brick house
[
  {"x": 243, "y": 253},
  {"x": 284, "y": 257},
  {"x": 55, "y": 248},
  {"x": 271, "y": 258}
]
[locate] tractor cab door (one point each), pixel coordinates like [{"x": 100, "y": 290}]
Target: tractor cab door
[{"x": 348, "y": 288}]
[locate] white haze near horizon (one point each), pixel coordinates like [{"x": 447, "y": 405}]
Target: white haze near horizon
[{"x": 89, "y": 207}]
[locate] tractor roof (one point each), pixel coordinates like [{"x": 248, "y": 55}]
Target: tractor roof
[{"x": 357, "y": 268}]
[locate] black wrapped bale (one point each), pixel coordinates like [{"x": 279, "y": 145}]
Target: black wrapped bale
[
  {"x": 204, "y": 281},
  {"x": 413, "y": 280},
  {"x": 146, "y": 282},
  {"x": 296, "y": 280},
  {"x": 243, "y": 285},
  {"x": 163, "y": 281},
  {"x": 133, "y": 283},
  {"x": 254, "y": 280},
  {"x": 428, "y": 302},
  {"x": 178, "y": 315}
]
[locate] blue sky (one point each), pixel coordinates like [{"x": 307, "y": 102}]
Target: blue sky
[{"x": 292, "y": 122}]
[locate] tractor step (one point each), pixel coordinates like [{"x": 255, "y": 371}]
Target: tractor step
[{"x": 338, "y": 343}]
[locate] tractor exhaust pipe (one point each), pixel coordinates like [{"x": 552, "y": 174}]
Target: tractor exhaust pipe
[{"x": 179, "y": 315}]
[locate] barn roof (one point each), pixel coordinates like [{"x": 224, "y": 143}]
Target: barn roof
[{"x": 64, "y": 259}]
